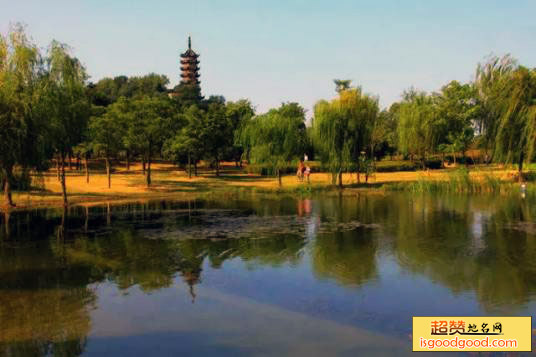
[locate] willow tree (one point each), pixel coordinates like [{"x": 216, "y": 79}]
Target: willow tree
[
  {"x": 418, "y": 127},
  {"x": 516, "y": 128},
  {"x": 491, "y": 81},
  {"x": 239, "y": 113},
  {"x": 22, "y": 127},
  {"x": 277, "y": 137},
  {"x": 66, "y": 104},
  {"x": 342, "y": 129}
]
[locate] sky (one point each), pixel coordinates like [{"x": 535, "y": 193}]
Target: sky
[{"x": 286, "y": 50}]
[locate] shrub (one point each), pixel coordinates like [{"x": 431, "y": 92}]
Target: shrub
[{"x": 393, "y": 166}]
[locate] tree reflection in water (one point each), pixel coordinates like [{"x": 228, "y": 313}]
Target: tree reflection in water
[{"x": 50, "y": 259}]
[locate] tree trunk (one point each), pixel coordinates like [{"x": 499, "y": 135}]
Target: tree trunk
[
  {"x": 8, "y": 200},
  {"x": 63, "y": 186},
  {"x": 189, "y": 166},
  {"x": 86, "y": 164},
  {"x": 521, "y": 157},
  {"x": 340, "y": 179},
  {"x": 58, "y": 170},
  {"x": 108, "y": 171},
  {"x": 7, "y": 214},
  {"x": 143, "y": 164},
  {"x": 86, "y": 222},
  {"x": 77, "y": 162},
  {"x": 61, "y": 228},
  {"x": 128, "y": 160},
  {"x": 279, "y": 177},
  {"x": 149, "y": 171},
  {"x": 423, "y": 161}
]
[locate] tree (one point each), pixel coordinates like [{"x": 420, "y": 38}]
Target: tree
[
  {"x": 277, "y": 137},
  {"x": 457, "y": 111},
  {"x": 342, "y": 129},
  {"x": 22, "y": 127},
  {"x": 84, "y": 149},
  {"x": 185, "y": 95},
  {"x": 491, "y": 83},
  {"x": 516, "y": 128},
  {"x": 217, "y": 133},
  {"x": 239, "y": 114},
  {"x": 187, "y": 144},
  {"x": 384, "y": 139},
  {"x": 108, "y": 90},
  {"x": 107, "y": 132},
  {"x": 66, "y": 103},
  {"x": 150, "y": 122},
  {"x": 342, "y": 84},
  {"x": 418, "y": 129}
]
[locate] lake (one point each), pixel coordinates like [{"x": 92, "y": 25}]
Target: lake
[{"x": 259, "y": 275}]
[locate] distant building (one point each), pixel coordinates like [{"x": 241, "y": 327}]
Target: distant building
[
  {"x": 189, "y": 66},
  {"x": 189, "y": 74}
]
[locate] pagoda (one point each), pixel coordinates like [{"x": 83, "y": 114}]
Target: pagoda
[{"x": 189, "y": 66}]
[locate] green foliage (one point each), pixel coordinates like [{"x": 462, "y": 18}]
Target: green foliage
[
  {"x": 150, "y": 120},
  {"x": 394, "y": 166},
  {"x": 342, "y": 84},
  {"x": 239, "y": 114},
  {"x": 187, "y": 142},
  {"x": 277, "y": 137},
  {"x": 23, "y": 127},
  {"x": 109, "y": 90},
  {"x": 418, "y": 129},
  {"x": 342, "y": 129},
  {"x": 185, "y": 95},
  {"x": 516, "y": 128},
  {"x": 490, "y": 82},
  {"x": 384, "y": 139},
  {"x": 457, "y": 111},
  {"x": 66, "y": 100}
]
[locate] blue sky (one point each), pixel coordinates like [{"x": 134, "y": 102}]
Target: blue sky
[{"x": 275, "y": 51}]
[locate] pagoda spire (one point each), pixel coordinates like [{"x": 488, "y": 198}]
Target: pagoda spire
[{"x": 189, "y": 43}]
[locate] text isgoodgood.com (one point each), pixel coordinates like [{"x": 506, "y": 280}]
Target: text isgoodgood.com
[{"x": 462, "y": 343}]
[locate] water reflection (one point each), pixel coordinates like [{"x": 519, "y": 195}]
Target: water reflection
[{"x": 283, "y": 252}]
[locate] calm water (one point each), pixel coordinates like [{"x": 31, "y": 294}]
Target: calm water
[{"x": 259, "y": 276}]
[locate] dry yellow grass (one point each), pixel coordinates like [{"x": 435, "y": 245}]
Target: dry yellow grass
[{"x": 170, "y": 182}]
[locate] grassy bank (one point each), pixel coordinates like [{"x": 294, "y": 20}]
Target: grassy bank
[{"x": 171, "y": 183}]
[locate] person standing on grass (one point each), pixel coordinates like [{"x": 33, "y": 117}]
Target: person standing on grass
[
  {"x": 301, "y": 170},
  {"x": 307, "y": 173}
]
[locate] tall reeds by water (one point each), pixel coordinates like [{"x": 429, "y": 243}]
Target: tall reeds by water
[{"x": 460, "y": 181}]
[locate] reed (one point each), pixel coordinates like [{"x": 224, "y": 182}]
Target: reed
[{"x": 460, "y": 182}]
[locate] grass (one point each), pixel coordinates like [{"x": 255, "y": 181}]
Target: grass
[
  {"x": 172, "y": 183},
  {"x": 462, "y": 181}
]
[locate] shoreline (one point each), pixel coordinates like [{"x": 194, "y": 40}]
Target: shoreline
[{"x": 171, "y": 183}]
